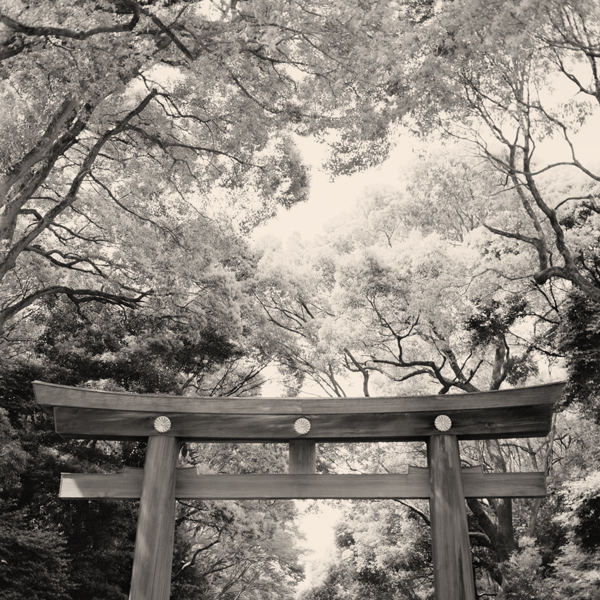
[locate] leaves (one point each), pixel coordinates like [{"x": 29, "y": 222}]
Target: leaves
[
  {"x": 578, "y": 341},
  {"x": 381, "y": 552},
  {"x": 149, "y": 106},
  {"x": 33, "y": 561}
]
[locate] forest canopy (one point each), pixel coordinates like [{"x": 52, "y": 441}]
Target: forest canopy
[{"x": 144, "y": 141}]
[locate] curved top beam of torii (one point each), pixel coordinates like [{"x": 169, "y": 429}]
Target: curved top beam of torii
[{"x": 93, "y": 414}]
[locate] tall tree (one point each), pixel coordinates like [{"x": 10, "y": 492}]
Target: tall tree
[
  {"x": 519, "y": 82},
  {"x": 243, "y": 549},
  {"x": 393, "y": 301},
  {"x": 131, "y": 110}
]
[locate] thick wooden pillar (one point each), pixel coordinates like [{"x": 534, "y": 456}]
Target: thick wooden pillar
[
  {"x": 303, "y": 457},
  {"x": 151, "y": 577},
  {"x": 452, "y": 566}
]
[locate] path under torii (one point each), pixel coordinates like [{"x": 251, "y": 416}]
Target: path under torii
[{"x": 166, "y": 421}]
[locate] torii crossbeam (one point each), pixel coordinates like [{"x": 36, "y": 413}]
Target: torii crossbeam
[{"x": 165, "y": 421}]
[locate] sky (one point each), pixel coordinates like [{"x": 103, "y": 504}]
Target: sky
[
  {"x": 327, "y": 198},
  {"x": 316, "y": 522}
]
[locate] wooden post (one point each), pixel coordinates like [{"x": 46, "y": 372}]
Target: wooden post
[
  {"x": 452, "y": 568},
  {"x": 303, "y": 457},
  {"x": 151, "y": 576}
]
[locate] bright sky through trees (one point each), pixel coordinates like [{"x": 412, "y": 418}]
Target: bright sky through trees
[{"x": 328, "y": 198}]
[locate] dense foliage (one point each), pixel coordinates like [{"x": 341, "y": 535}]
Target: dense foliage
[
  {"x": 142, "y": 141},
  {"x": 84, "y": 549},
  {"x": 149, "y": 109}
]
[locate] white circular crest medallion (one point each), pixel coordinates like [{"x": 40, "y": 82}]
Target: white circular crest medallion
[
  {"x": 443, "y": 423},
  {"x": 302, "y": 426},
  {"x": 162, "y": 424}
]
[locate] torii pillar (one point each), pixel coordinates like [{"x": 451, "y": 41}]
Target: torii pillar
[
  {"x": 452, "y": 564},
  {"x": 165, "y": 421},
  {"x": 155, "y": 535}
]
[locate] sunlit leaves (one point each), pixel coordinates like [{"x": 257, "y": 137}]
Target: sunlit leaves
[{"x": 147, "y": 103}]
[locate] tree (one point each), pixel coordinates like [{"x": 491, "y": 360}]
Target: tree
[
  {"x": 148, "y": 107},
  {"x": 231, "y": 549},
  {"x": 33, "y": 562},
  {"x": 579, "y": 341},
  {"x": 378, "y": 297},
  {"x": 497, "y": 71},
  {"x": 398, "y": 301},
  {"x": 110, "y": 347},
  {"x": 145, "y": 353},
  {"x": 383, "y": 551}
]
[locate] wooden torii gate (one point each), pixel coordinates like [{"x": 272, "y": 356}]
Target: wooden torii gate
[{"x": 165, "y": 421}]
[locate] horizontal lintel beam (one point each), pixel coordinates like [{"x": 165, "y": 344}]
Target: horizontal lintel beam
[
  {"x": 467, "y": 424},
  {"x": 190, "y": 485},
  {"x": 50, "y": 395}
]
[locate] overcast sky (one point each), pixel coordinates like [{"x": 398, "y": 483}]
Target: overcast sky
[{"x": 330, "y": 198}]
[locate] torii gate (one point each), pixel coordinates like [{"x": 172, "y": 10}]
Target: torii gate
[{"x": 165, "y": 421}]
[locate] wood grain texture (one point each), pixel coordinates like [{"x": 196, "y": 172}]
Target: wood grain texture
[
  {"x": 515, "y": 421},
  {"x": 464, "y": 470},
  {"x": 153, "y": 555},
  {"x": 301, "y": 486},
  {"x": 303, "y": 456},
  {"x": 503, "y": 485},
  {"x": 190, "y": 485},
  {"x": 452, "y": 563},
  {"x": 114, "y": 485},
  {"x": 50, "y": 395}
]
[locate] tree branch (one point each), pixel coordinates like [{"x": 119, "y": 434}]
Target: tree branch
[
  {"x": 27, "y": 239},
  {"x": 78, "y": 296},
  {"x": 192, "y": 560},
  {"x": 69, "y": 33}
]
